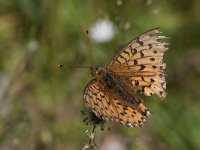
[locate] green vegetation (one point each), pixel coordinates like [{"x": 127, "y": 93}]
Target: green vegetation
[{"x": 40, "y": 103}]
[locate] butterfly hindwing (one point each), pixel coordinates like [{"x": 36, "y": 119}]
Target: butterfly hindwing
[{"x": 109, "y": 107}]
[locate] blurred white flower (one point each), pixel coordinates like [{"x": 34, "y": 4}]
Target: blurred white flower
[
  {"x": 119, "y": 2},
  {"x": 156, "y": 11},
  {"x": 149, "y": 2},
  {"x": 114, "y": 141},
  {"x": 33, "y": 45},
  {"x": 102, "y": 31}
]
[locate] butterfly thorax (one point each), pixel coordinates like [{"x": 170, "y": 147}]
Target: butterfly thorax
[
  {"x": 103, "y": 76},
  {"x": 95, "y": 70},
  {"x": 113, "y": 86}
]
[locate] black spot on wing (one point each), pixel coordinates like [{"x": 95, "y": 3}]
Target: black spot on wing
[
  {"x": 142, "y": 54},
  {"x": 152, "y": 59},
  {"x": 152, "y": 80},
  {"x": 150, "y": 46},
  {"x": 142, "y": 67},
  {"x": 135, "y": 62},
  {"x": 136, "y": 83},
  {"x": 155, "y": 52}
]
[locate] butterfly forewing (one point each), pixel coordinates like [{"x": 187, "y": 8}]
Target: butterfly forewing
[
  {"x": 110, "y": 107},
  {"x": 142, "y": 61}
]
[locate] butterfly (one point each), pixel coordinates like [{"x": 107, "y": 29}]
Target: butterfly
[{"x": 137, "y": 68}]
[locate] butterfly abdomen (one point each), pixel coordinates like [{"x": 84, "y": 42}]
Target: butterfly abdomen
[{"x": 119, "y": 90}]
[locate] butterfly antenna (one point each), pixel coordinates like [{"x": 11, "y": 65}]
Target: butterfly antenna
[
  {"x": 91, "y": 51},
  {"x": 91, "y": 57},
  {"x": 81, "y": 67},
  {"x": 62, "y": 66}
]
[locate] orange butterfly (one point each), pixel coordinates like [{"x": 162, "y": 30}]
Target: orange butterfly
[{"x": 138, "y": 67}]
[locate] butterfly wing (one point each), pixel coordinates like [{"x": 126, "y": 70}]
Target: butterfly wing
[
  {"x": 110, "y": 107},
  {"x": 141, "y": 61}
]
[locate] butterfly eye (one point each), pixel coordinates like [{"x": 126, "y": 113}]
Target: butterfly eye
[{"x": 94, "y": 70}]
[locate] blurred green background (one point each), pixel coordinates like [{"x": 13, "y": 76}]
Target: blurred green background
[{"x": 40, "y": 103}]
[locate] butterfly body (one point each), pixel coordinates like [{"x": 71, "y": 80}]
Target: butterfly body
[
  {"x": 112, "y": 85},
  {"x": 138, "y": 67}
]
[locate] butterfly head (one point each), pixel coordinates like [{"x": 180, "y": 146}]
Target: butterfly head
[{"x": 95, "y": 70}]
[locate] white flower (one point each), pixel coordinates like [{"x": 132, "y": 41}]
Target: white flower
[{"x": 102, "y": 31}]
